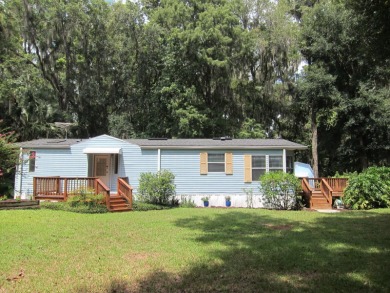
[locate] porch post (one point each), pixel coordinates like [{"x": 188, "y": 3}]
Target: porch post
[
  {"x": 65, "y": 189},
  {"x": 57, "y": 185},
  {"x": 34, "y": 186},
  {"x": 284, "y": 161},
  {"x": 159, "y": 160}
]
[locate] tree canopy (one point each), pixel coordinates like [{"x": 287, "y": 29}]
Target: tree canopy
[{"x": 200, "y": 68}]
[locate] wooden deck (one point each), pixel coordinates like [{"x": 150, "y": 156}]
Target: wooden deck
[
  {"x": 320, "y": 192},
  {"x": 61, "y": 188}
]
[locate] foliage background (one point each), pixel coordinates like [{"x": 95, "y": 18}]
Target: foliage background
[{"x": 203, "y": 69}]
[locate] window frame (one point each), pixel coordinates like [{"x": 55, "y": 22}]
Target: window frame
[
  {"x": 290, "y": 169},
  {"x": 275, "y": 169},
  {"x": 31, "y": 161},
  {"x": 258, "y": 168},
  {"x": 217, "y": 162}
]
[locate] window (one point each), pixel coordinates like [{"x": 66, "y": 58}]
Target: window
[
  {"x": 290, "y": 165},
  {"x": 275, "y": 163},
  {"x": 258, "y": 167},
  {"x": 31, "y": 159},
  {"x": 216, "y": 162}
]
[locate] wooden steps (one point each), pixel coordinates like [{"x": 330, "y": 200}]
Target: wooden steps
[
  {"x": 319, "y": 202},
  {"x": 320, "y": 192},
  {"x": 118, "y": 204}
]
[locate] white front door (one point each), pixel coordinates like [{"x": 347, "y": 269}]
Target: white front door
[{"x": 102, "y": 168}]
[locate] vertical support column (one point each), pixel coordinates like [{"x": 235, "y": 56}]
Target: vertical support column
[
  {"x": 57, "y": 185},
  {"x": 65, "y": 189},
  {"x": 266, "y": 163},
  {"x": 159, "y": 160},
  {"x": 284, "y": 161},
  {"x": 34, "y": 186}
]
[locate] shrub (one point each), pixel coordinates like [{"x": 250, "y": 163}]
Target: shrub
[
  {"x": 143, "y": 206},
  {"x": 86, "y": 197},
  {"x": 64, "y": 206},
  {"x": 345, "y": 175},
  {"x": 84, "y": 201},
  {"x": 8, "y": 160},
  {"x": 369, "y": 189},
  {"x": 249, "y": 197},
  {"x": 280, "y": 191},
  {"x": 187, "y": 202},
  {"x": 157, "y": 188}
]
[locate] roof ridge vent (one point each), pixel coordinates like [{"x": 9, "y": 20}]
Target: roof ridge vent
[
  {"x": 157, "y": 138},
  {"x": 222, "y": 138},
  {"x": 57, "y": 141}
]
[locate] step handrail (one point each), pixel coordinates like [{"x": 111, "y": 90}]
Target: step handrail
[
  {"x": 100, "y": 187},
  {"x": 307, "y": 190},
  {"x": 126, "y": 191},
  {"x": 326, "y": 190}
]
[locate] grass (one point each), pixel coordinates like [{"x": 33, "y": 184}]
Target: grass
[{"x": 193, "y": 250}]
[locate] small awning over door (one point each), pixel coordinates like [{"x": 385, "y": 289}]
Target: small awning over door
[{"x": 102, "y": 150}]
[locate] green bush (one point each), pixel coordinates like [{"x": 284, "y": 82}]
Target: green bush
[
  {"x": 369, "y": 189},
  {"x": 64, "y": 206},
  {"x": 143, "y": 206},
  {"x": 8, "y": 160},
  {"x": 86, "y": 197},
  {"x": 345, "y": 175},
  {"x": 157, "y": 188},
  {"x": 280, "y": 191},
  {"x": 187, "y": 202},
  {"x": 84, "y": 201}
]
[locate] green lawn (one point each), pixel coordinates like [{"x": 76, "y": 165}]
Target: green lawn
[{"x": 192, "y": 250}]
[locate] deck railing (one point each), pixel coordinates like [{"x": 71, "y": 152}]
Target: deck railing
[
  {"x": 46, "y": 185},
  {"x": 61, "y": 186},
  {"x": 125, "y": 190},
  {"x": 329, "y": 187},
  {"x": 337, "y": 184},
  {"x": 315, "y": 183}
]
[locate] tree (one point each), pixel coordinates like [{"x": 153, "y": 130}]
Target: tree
[
  {"x": 317, "y": 94},
  {"x": 334, "y": 38},
  {"x": 8, "y": 160}
]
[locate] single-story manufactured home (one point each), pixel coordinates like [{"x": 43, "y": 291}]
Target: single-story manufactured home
[{"x": 213, "y": 167}]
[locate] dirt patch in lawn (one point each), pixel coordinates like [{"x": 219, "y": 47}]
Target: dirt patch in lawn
[{"x": 138, "y": 256}]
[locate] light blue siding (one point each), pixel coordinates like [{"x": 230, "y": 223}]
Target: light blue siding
[
  {"x": 74, "y": 163},
  {"x": 49, "y": 162},
  {"x": 183, "y": 163},
  {"x": 131, "y": 162}
]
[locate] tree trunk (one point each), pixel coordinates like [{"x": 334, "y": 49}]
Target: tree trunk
[{"x": 314, "y": 142}]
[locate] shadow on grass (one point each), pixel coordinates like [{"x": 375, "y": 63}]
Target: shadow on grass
[{"x": 347, "y": 252}]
